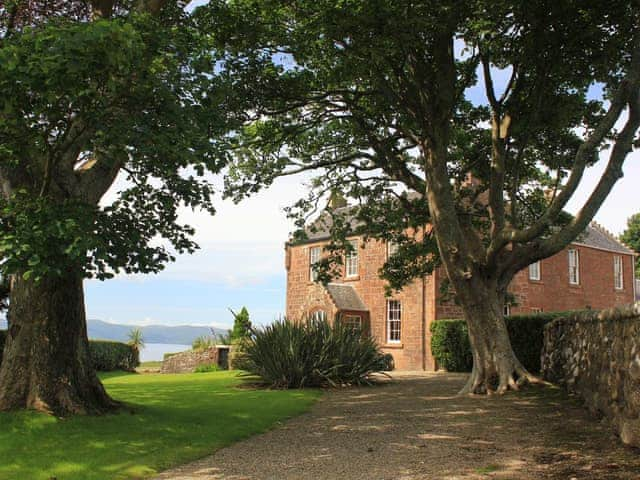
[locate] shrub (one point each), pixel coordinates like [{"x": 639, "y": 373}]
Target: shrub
[
  {"x": 107, "y": 356},
  {"x": 387, "y": 362},
  {"x": 237, "y": 355},
  {"x": 241, "y": 325},
  {"x": 451, "y": 349},
  {"x": 203, "y": 342},
  {"x": 450, "y": 345},
  {"x": 209, "y": 367},
  {"x": 295, "y": 354}
]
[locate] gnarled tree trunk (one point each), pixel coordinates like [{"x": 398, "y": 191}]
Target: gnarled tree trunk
[
  {"x": 46, "y": 364},
  {"x": 495, "y": 366}
]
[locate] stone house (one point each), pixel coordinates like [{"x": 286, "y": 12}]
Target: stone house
[{"x": 595, "y": 271}]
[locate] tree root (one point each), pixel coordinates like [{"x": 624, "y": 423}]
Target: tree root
[{"x": 481, "y": 382}]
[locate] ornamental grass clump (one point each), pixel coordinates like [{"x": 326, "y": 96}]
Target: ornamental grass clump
[{"x": 312, "y": 354}]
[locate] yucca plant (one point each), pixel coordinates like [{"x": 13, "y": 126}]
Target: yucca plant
[
  {"x": 311, "y": 354},
  {"x": 203, "y": 342}
]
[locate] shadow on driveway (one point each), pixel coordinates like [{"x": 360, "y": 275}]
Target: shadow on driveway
[{"x": 416, "y": 427}]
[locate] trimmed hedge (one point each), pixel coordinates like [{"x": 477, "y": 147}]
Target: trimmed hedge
[
  {"x": 106, "y": 355},
  {"x": 450, "y": 341}
]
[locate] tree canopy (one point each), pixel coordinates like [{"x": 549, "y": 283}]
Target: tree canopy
[
  {"x": 131, "y": 97},
  {"x": 357, "y": 91},
  {"x": 631, "y": 237},
  {"x": 97, "y": 95}
]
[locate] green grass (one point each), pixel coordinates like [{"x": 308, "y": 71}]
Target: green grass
[
  {"x": 178, "y": 418},
  {"x": 151, "y": 364},
  {"x": 488, "y": 469}
]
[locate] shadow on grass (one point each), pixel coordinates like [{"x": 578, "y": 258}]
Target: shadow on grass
[{"x": 177, "y": 418}]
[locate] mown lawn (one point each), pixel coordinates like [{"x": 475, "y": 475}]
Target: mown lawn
[{"x": 177, "y": 418}]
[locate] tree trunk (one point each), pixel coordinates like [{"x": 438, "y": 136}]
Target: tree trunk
[
  {"x": 46, "y": 364},
  {"x": 495, "y": 366}
]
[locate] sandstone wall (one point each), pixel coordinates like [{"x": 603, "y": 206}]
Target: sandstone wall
[
  {"x": 597, "y": 356},
  {"x": 186, "y": 362}
]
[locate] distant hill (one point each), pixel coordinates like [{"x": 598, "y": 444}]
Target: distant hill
[{"x": 179, "y": 335}]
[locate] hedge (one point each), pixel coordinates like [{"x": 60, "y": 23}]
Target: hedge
[
  {"x": 106, "y": 355},
  {"x": 450, "y": 341}
]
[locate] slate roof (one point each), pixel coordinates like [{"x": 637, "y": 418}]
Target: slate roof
[
  {"x": 320, "y": 228},
  {"x": 345, "y": 297},
  {"x": 595, "y": 235},
  {"x": 598, "y": 237}
]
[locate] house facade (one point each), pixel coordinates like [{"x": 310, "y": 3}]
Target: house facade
[{"x": 595, "y": 271}]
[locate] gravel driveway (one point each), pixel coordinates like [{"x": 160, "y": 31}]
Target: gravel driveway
[{"x": 415, "y": 427}]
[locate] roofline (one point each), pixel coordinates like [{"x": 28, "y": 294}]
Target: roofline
[
  {"x": 290, "y": 243},
  {"x": 631, "y": 253},
  {"x": 580, "y": 244}
]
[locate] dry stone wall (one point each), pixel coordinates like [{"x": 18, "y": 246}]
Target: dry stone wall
[
  {"x": 186, "y": 362},
  {"x": 597, "y": 356}
]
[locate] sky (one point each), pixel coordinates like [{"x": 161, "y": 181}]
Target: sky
[{"x": 241, "y": 260}]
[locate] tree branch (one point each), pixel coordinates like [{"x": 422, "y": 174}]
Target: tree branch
[
  {"x": 496, "y": 188},
  {"x": 94, "y": 182},
  {"x": 613, "y": 172},
  {"x": 627, "y": 89}
]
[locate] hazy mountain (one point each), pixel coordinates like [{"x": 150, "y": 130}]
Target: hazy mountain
[{"x": 181, "y": 335}]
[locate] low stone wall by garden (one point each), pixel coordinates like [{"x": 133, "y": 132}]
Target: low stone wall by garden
[
  {"x": 186, "y": 362},
  {"x": 597, "y": 356}
]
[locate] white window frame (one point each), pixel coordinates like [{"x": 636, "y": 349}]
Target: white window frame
[
  {"x": 394, "y": 321},
  {"x": 315, "y": 253},
  {"x": 534, "y": 271},
  {"x": 574, "y": 267},
  {"x": 536, "y": 309},
  {"x": 351, "y": 267},
  {"x": 392, "y": 248},
  {"x": 353, "y": 321},
  {"x": 319, "y": 315},
  {"x": 506, "y": 311},
  {"x": 618, "y": 273}
]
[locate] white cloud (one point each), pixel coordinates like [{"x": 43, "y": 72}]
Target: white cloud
[{"x": 242, "y": 243}]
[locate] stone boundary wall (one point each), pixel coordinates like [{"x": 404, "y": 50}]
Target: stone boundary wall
[
  {"x": 186, "y": 362},
  {"x": 597, "y": 356}
]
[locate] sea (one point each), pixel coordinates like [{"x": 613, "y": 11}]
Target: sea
[{"x": 155, "y": 351}]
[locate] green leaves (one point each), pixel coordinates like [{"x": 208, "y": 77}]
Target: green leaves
[
  {"x": 38, "y": 237},
  {"x": 299, "y": 354},
  {"x": 631, "y": 237},
  {"x": 85, "y": 101}
]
